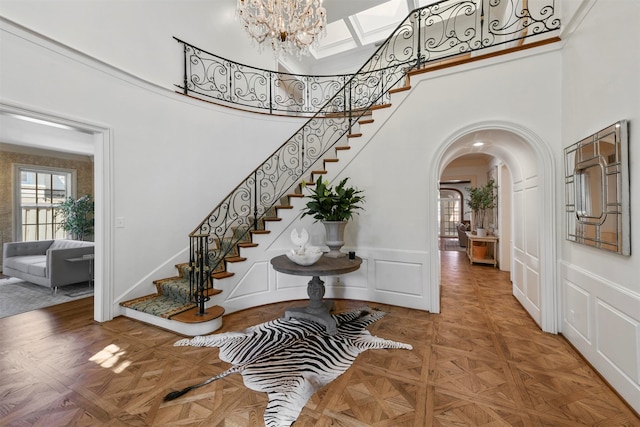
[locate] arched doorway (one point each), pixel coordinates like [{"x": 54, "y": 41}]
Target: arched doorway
[{"x": 530, "y": 186}]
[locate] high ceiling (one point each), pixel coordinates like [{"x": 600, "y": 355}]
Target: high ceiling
[{"x": 354, "y": 25}]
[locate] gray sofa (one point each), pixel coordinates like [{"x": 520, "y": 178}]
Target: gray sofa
[{"x": 50, "y": 263}]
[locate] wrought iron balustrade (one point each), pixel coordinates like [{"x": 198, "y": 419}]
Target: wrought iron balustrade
[
  {"x": 213, "y": 78},
  {"x": 432, "y": 33}
]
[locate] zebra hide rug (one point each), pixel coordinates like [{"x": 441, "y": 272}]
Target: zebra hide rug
[{"x": 291, "y": 359}]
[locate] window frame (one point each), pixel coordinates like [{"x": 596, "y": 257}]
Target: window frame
[{"x": 18, "y": 168}]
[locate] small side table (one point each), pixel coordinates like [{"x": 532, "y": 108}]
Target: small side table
[
  {"x": 83, "y": 258},
  {"x": 317, "y": 310},
  {"x": 492, "y": 251}
]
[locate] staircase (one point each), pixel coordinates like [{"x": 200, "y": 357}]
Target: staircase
[
  {"x": 171, "y": 306},
  {"x": 241, "y": 221}
]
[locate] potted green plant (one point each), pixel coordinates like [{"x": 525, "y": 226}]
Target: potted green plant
[
  {"x": 480, "y": 200},
  {"x": 333, "y": 206},
  {"x": 77, "y": 216}
]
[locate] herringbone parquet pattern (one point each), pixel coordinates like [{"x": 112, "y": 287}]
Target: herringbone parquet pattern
[{"x": 481, "y": 362}]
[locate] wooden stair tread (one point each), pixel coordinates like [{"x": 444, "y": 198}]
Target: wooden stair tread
[
  {"x": 192, "y": 316},
  {"x": 260, "y": 231},
  {"x": 380, "y": 106},
  {"x": 331, "y": 160},
  {"x": 212, "y": 291},
  {"x": 295, "y": 195},
  {"x": 318, "y": 172},
  {"x": 400, "y": 89},
  {"x": 221, "y": 275},
  {"x": 247, "y": 245},
  {"x": 235, "y": 259},
  {"x": 365, "y": 121},
  {"x": 272, "y": 218},
  {"x": 354, "y": 135},
  {"x": 343, "y": 147}
]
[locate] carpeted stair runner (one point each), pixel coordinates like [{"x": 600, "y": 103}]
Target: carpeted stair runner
[{"x": 172, "y": 297}]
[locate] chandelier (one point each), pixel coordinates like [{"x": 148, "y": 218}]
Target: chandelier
[{"x": 290, "y": 26}]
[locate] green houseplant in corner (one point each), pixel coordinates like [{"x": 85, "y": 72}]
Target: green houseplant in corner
[
  {"x": 77, "y": 216},
  {"x": 480, "y": 200},
  {"x": 333, "y": 206}
]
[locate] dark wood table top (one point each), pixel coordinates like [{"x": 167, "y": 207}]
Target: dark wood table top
[{"x": 325, "y": 266}]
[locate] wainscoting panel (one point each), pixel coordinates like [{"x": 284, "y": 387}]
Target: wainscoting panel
[
  {"x": 578, "y": 315},
  {"x": 400, "y": 277},
  {"x": 602, "y": 320},
  {"x": 386, "y": 276},
  {"x": 533, "y": 288},
  {"x": 612, "y": 324},
  {"x": 518, "y": 219},
  {"x": 517, "y": 276},
  {"x": 286, "y": 282},
  {"x": 531, "y": 219},
  {"x": 255, "y": 281}
]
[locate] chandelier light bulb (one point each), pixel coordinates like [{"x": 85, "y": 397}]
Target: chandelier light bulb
[{"x": 289, "y": 26}]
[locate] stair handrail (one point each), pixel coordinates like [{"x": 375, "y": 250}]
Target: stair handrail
[
  {"x": 216, "y": 79},
  {"x": 241, "y": 211}
]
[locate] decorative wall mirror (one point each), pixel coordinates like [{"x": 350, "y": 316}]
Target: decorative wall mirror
[{"x": 597, "y": 190}]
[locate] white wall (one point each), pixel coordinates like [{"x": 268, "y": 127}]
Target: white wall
[
  {"x": 601, "y": 290},
  {"x": 397, "y": 165},
  {"x": 170, "y": 155},
  {"x": 137, "y": 36}
]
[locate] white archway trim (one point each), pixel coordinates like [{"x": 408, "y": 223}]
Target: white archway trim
[
  {"x": 547, "y": 208},
  {"x": 101, "y": 137}
]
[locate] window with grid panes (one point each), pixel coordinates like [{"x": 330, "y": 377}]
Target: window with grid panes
[{"x": 39, "y": 192}]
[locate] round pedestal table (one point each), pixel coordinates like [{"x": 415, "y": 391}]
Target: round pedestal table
[{"x": 318, "y": 310}]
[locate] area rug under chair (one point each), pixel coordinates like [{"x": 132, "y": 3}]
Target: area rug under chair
[
  {"x": 292, "y": 359},
  {"x": 18, "y": 296},
  {"x": 447, "y": 244}
]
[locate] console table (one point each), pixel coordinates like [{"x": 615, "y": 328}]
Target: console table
[
  {"x": 317, "y": 310},
  {"x": 491, "y": 242}
]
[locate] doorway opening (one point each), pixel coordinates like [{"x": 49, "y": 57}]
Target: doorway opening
[
  {"x": 523, "y": 167},
  {"x": 30, "y": 131}
]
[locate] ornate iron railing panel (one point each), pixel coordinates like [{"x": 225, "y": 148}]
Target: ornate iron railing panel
[
  {"x": 214, "y": 78},
  {"x": 431, "y": 33},
  {"x": 439, "y": 31}
]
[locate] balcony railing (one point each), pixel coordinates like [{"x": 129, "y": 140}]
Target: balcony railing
[{"x": 432, "y": 33}]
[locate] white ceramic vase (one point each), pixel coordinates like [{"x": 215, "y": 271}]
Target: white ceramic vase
[{"x": 335, "y": 238}]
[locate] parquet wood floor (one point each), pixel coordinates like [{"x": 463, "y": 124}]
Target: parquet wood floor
[{"x": 481, "y": 362}]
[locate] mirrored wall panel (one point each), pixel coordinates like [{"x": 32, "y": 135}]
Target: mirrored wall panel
[{"x": 597, "y": 190}]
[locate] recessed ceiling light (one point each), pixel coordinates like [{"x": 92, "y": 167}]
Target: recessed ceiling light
[{"x": 478, "y": 144}]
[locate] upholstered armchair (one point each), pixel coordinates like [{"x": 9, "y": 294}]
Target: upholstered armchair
[{"x": 463, "y": 240}]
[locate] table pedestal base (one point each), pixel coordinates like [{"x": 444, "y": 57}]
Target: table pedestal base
[{"x": 317, "y": 310}]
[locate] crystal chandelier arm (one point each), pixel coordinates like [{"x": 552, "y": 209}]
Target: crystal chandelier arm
[{"x": 288, "y": 25}]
